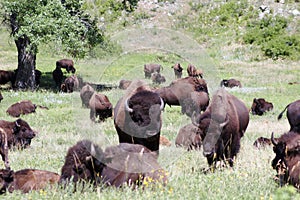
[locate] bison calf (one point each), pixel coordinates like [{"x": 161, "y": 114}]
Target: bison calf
[
  {"x": 26, "y": 180},
  {"x": 189, "y": 137},
  {"x": 22, "y": 108},
  {"x": 151, "y": 68},
  {"x": 100, "y": 106},
  {"x": 157, "y": 78},
  {"x": 124, "y": 84}
]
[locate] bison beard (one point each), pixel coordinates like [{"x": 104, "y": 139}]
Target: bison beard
[{"x": 142, "y": 119}]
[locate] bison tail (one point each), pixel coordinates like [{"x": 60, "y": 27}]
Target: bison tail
[
  {"x": 43, "y": 107},
  {"x": 280, "y": 115}
]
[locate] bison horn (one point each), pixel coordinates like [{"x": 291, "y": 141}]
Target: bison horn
[
  {"x": 17, "y": 124},
  {"x": 162, "y": 105},
  {"x": 273, "y": 140},
  {"x": 127, "y": 106},
  {"x": 193, "y": 118},
  {"x": 93, "y": 151},
  {"x": 224, "y": 123}
]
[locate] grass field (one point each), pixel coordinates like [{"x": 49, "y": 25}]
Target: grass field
[{"x": 66, "y": 122}]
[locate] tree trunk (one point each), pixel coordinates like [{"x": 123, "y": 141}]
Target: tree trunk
[{"x": 25, "y": 74}]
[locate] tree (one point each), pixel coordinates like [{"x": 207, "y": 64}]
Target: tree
[{"x": 32, "y": 22}]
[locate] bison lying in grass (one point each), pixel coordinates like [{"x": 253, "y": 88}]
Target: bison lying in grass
[
  {"x": 124, "y": 164},
  {"x": 26, "y": 180}
]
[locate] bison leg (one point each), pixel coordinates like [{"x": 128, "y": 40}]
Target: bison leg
[{"x": 92, "y": 115}]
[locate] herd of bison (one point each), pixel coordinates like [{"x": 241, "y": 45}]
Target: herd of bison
[{"x": 217, "y": 124}]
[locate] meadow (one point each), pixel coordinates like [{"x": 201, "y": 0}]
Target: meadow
[{"x": 66, "y": 122}]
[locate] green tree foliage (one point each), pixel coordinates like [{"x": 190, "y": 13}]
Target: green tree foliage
[{"x": 32, "y": 22}]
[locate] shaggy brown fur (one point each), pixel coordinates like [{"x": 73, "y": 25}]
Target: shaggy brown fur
[
  {"x": 260, "y": 106},
  {"x": 189, "y": 137},
  {"x": 151, "y": 68},
  {"x": 177, "y": 70},
  {"x": 124, "y": 84},
  {"x": 70, "y": 84},
  {"x": 66, "y": 64},
  {"x": 230, "y": 83}
]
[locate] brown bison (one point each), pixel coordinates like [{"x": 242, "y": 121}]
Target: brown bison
[
  {"x": 23, "y": 107},
  {"x": 260, "y": 106},
  {"x": 287, "y": 158},
  {"x": 1, "y": 97},
  {"x": 293, "y": 115},
  {"x": 70, "y": 84},
  {"x": 177, "y": 70},
  {"x": 194, "y": 72},
  {"x": 100, "y": 106},
  {"x": 86, "y": 93},
  {"x": 151, "y": 68},
  {"x": 189, "y": 137},
  {"x": 66, "y": 64},
  {"x": 230, "y": 83},
  {"x": 132, "y": 165},
  {"x": 137, "y": 116},
  {"x": 181, "y": 89},
  {"x": 84, "y": 162},
  {"x": 16, "y": 134},
  {"x": 157, "y": 78},
  {"x": 26, "y": 180},
  {"x": 124, "y": 84},
  {"x": 229, "y": 118},
  {"x": 197, "y": 102},
  {"x": 7, "y": 76},
  {"x": 58, "y": 77}
]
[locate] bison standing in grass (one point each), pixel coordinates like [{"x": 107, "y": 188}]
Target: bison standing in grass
[
  {"x": 66, "y": 64},
  {"x": 151, "y": 68},
  {"x": 7, "y": 76},
  {"x": 26, "y": 180},
  {"x": 70, "y": 84},
  {"x": 86, "y": 93},
  {"x": 293, "y": 115},
  {"x": 228, "y": 120},
  {"x": 137, "y": 116},
  {"x": 177, "y": 70},
  {"x": 100, "y": 107}
]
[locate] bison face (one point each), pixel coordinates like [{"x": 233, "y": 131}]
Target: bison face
[
  {"x": 6, "y": 177},
  {"x": 143, "y": 117},
  {"x": 279, "y": 150},
  {"x": 23, "y": 133}
]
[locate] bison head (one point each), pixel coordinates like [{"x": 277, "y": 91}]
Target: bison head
[
  {"x": 23, "y": 133},
  {"x": 6, "y": 177},
  {"x": 144, "y": 114}
]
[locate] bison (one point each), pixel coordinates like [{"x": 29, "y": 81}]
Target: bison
[
  {"x": 287, "y": 158},
  {"x": 151, "y": 68},
  {"x": 124, "y": 84},
  {"x": 194, "y": 72},
  {"x": 86, "y": 93},
  {"x": 137, "y": 116},
  {"x": 260, "y": 106},
  {"x": 230, "y": 83},
  {"x": 26, "y": 180},
  {"x": 181, "y": 89},
  {"x": 100, "y": 106},
  {"x": 16, "y": 134},
  {"x": 293, "y": 115},
  {"x": 189, "y": 137},
  {"x": 177, "y": 70},
  {"x": 7, "y": 76},
  {"x": 84, "y": 162},
  {"x": 132, "y": 165},
  {"x": 70, "y": 84},
  {"x": 23, "y": 107},
  {"x": 228, "y": 120},
  {"x": 197, "y": 102},
  {"x": 57, "y": 76},
  {"x": 66, "y": 64},
  {"x": 262, "y": 142},
  {"x": 157, "y": 78},
  {"x": 1, "y": 97}
]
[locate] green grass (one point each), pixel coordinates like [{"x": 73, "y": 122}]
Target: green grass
[{"x": 66, "y": 122}]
